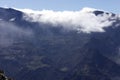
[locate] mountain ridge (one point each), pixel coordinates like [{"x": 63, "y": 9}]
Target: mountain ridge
[{"x": 42, "y": 50}]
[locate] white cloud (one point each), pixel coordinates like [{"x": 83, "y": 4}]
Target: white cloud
[
  {"x": 12, "y": 19},
  {"x": 83, "y": 20},
  {"x": 9, "y": 32}
]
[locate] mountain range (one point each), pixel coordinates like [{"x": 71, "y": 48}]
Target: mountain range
[{"x": 60, "y": 45}]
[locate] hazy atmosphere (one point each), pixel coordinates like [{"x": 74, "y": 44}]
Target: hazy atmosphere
[{"x": 59, "y": 40}]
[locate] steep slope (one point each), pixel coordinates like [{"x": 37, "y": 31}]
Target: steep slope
[{"x": 41, "y": 49}]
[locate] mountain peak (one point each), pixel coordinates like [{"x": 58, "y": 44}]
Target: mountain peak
[{"x": 96, "y": 11}]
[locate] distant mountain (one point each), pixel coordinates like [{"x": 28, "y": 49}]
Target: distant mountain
[{"x": 51, "y": 45}]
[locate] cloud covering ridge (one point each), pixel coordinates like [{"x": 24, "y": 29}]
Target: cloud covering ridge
[{"x": 84, "y": 20}]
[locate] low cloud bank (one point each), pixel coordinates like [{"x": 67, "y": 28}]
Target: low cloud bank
[
  {"x": 84, "y": 20},
  {"x": 9, "y": 32}
]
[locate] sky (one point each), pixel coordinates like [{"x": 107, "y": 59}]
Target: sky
[{"x": 62, "y": 5}]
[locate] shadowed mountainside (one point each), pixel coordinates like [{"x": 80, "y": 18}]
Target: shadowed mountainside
[{"x": 38, "y": 51}]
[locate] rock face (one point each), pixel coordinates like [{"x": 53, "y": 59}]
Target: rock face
[
  {"x": 41, "y": 51},
  {"x": 3, "y": 76}
]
